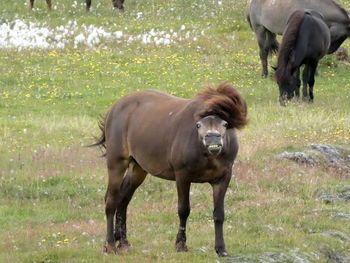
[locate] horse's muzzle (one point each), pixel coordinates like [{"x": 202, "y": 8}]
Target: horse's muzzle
[{"x": 213, "y": 142}]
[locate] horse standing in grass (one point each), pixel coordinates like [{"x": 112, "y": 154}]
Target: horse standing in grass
[
  {"x": 305, "y": 41},
  {"x": 269, "y": 17},
  {"x": 116, "y": 3},
  {"x": 49, "y": 5},
  {"x": 183, "y": 140}
]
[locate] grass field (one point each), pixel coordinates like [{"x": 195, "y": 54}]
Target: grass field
[{"x": 52, "y": 188}]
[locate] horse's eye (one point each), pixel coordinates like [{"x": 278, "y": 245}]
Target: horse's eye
[
  {"x": 198, "y": 125},
  {"x": 225, "y": 124}
]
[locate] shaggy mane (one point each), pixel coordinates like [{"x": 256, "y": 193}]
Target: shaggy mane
[
  {"x": 225, "y": 102},
  {"x": 285, "y": 56}
]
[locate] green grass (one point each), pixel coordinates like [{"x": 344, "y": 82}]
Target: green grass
[{"x": 52, "y": 187}]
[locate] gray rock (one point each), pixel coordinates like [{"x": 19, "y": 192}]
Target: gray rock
[
  {"x": 298, "y": 157},
  {"x": 274, "y": 257},
  {"x": 344, "y": 216},
  {"x": 271, "y": 228},
  {"x": 321, "y": 155},
  {"x": 338, "y": 235},
  {"x": 343, "y": 195},
  {"x": 335, "y": 257}
]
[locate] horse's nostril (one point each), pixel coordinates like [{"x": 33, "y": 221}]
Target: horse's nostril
[{"x": 213, "y": 134}]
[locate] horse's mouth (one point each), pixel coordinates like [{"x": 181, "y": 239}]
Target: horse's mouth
[{"x": 214, "y": 149}]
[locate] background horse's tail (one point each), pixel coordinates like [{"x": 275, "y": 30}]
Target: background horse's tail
[
  {"x": 271, "y": 41},
  {"x": 285, "y": 56},
  {"x": 272, "y": 44}
]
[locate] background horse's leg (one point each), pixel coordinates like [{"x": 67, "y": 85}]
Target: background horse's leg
[
  {"x": 116, "y": 171},
  {"x": 312, "y": 72},
  {"x": 88, "y": 5},
  {"x": 263, "y": 51},
  {"x": 31, "y": 3},
  {"x": 306, "y": 76},
  {"x": 297, "y": 83},
  {"x": 48, "y": 4},
  {"x": 267, "y": 45},
  {"x": 183, "y": 193},
  {"x": 118, "y": 4},
  {"x": 132, "y": 180},
  {"x": 219, "y": 191}
]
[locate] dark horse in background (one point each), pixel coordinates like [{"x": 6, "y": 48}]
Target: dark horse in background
[
  {"x": 116, "y": 3},
  {"x": 183, "y": 140},
  {"x": 305, "y": 41},
  {"x": 269, "y": 17}
]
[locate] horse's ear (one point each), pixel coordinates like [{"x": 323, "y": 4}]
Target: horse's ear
[{"x": 274, "y": 68}]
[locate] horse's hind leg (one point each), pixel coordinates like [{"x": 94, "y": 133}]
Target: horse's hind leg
[
  {"x": 132, "y": 180},
  {"x": 116, "y": 171},
  {"x": 263, "y": 50},
  {"x": 49, "y": 4},
  {"x": 267, "y": 44}
]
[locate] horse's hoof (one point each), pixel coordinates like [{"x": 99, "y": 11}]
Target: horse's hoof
[
  {"x": 181, "y": 247},
  {"x": 110, "y": 248},
  {"x": 221, "y": 252},
  {"x": 124, "y": 246}
]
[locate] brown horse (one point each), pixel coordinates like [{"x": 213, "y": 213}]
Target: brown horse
[
  {"x": 116, "y": 3},
  {"x": 183, "y": 140}
]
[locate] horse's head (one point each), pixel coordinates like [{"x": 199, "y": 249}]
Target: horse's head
[
  {"x": 287, "y": 91},
  {"x": 211, "y": 131},
  {"x": 287, "y": 85}
]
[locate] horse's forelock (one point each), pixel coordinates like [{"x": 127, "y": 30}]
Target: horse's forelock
[{"x": 225, "y": 102}]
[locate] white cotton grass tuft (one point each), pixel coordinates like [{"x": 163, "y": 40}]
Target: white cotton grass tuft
[{"x": 21, "y": 35}]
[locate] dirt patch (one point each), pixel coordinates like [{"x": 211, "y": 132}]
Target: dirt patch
[{"x": 88, "y": 228}]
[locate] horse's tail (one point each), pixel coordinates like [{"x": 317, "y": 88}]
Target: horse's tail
[
  {"x": 271, "y": 42},
  {"x": 248, "y": 19},
  {"x": 101, "y": 141},
  {"x": 286, "y": 53}
]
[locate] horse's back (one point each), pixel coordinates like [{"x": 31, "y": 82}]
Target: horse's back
[
  {"x": 274, "y": 14},
  {"x": 314, "y": 37},
  {"x": 142, "y": 125}
]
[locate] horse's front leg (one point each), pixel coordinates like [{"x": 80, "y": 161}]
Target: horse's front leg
[
  {"x": 183, "y": 192},
  {"x": 219, "y": 191},
  {"x": 306, "y": 77},
  {"x": 297, "y": 83},
  {"x": 312, "y": 73}
]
